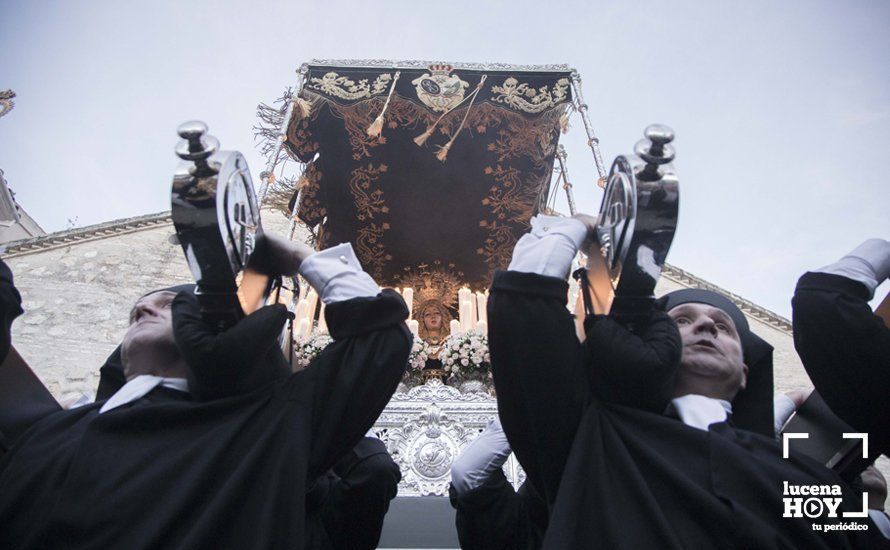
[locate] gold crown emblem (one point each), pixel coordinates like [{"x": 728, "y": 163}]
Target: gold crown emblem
[
  {"x": 434, "y": 281},
  {"x": 440, "y": 68}
]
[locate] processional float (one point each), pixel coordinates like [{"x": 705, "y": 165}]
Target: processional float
[{"x": 432, "y": 171}]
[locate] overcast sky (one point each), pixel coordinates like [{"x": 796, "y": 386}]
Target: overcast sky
[{"x": 781, "y": 109}]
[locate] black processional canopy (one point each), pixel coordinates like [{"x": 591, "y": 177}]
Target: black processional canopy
[{"x": 431, "y": 171}]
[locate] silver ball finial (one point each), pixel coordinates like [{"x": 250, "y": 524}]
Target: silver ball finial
[
  {"x": 655, "y": 149},
  {"x": 196, "y": 144}
]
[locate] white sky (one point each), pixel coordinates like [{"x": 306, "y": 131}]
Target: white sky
[{"x": 782, "y": 109}]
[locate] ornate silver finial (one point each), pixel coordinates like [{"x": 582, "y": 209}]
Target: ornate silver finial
[
  {"x": 655, "y": 150},
  {"x": 197, "y": 145},
  {"x": 6, "y": 103}
]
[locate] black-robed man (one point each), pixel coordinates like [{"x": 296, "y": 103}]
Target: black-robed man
[
  {"x": 211, "y": 442},
  {"x": 844, "y": 346},
  {"x": 633, "y": 439}
]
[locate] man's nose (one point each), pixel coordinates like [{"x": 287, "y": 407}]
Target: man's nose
[
  {"x": 145, "y": 309},
  {"x": 705, "y": 324}
]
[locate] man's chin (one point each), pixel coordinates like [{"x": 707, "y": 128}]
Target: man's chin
[{"x": 706, "y": 367}]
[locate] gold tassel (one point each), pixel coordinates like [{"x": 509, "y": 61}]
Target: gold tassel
[
  {"x": 302, "y": 182},
  {"x": 376, "y": 127},
  {"x": 421, "y": 139},
  {"x": 443, "y": 151},
  {"x": 564, "y": 122},
  {"x": 304, "y": 106}
]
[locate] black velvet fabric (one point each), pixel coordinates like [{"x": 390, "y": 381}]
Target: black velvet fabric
[
  {"x": 615, "y": 475},
  {"x": 399, "y": 205},
  {"x": 845, "y": 349},
  {"x": 168, "y": 471}
]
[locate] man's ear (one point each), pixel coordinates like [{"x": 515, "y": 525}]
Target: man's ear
[{"x": 744, "y": 377}]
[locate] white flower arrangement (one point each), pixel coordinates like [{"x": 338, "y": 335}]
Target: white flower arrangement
[
  {"x": 465, "y": 355},
  {"x": 420, "y": 353},
  {"x": 305, "y": 349}
]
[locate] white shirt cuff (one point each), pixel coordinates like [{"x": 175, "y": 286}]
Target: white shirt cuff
[
  {"x": 337, "y": 275},
  {"x": 868, "y": 263},
  {"x": 549, "y": 248},
  {"x": 783, "y": 407},
  {"x": 486, "y": 454},
  {"x": 881, "y": 521}
]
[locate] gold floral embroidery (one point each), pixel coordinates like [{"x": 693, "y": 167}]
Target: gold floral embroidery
[
  {"x": 312, "y": 208},
  {"x": 344, "y": 88},
  {"x": 300, "y": 139},
  {"x": 356, "y": 119},
  {"x": 530, "y": 100},
  {"x": 369, "y": 202},
  {"x": 511, "y": 204},
  {"x": 370, "y": 250},
  {"x": 358, "y": 116}
]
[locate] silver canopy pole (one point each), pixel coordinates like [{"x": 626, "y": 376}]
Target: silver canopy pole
[
  {"x": 566, "y": 184},
  {"x": 592, "y": 141},
  {"x": 267, "y": 175}
]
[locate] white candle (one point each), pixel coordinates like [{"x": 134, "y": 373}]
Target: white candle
[
  {"x": 285, "y": 296},
  {"x": 413, "y": 326},
  {"x": 455, "y": 326},
  {"x": 311, "y": 302},
  {"x": 408, "y": 295},
  {"x": 300, "y": 313},
  {"x": 466, "y": 316},
  {"x": 481, "y": 302},
  {"x": 482, "y": 327},
  {"x": 304, "y": 329},
  {"x": 463, "y": 294}
]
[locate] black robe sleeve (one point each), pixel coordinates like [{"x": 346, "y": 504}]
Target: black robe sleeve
[
  {"x": 353, "y": 378},
  {"x": 635, "y": 369},
  {"x": 845, "y": 349},
  {"x": 540, "y": 373},
  {"x": 367, "y": 480},
  {"x": 545, "y": 378}
]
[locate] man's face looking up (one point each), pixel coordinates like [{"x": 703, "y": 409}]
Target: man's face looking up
[
  {"x": 151, "y": 329},
  {"x": 712, "y": 350}
]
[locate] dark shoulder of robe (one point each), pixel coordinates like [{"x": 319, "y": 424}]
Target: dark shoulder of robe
[
  {"x": 10, "y": 308},
  {"x": 169, "y": 472},
  {"x": 845, "y": 348},
  {"x": 366, "y": 480},
  {"x": 346, "y": 506},
  {"x": 494, "y": 516},
  {"x": 618, "y": 475}
]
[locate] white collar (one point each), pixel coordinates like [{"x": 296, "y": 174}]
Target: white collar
[
  {"x": 699, "y": 411},
  {"x": 139, "y": 386}
]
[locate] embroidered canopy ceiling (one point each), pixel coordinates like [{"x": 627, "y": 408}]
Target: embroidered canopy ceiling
[{"x": 432, "y": 172}]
